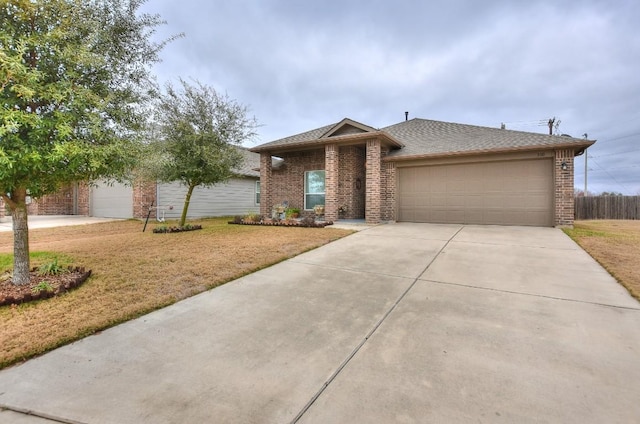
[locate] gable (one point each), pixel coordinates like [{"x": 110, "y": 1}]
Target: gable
[{"x": 347, "y": 127}]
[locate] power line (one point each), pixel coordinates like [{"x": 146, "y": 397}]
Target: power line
[
  {"x": 616, "y": 153},
  {"x": 612, "y": 177}
]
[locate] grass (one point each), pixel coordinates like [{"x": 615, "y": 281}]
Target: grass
[
  {"x": 135, "y": 273},
  {"x": 615, "y": 245}
]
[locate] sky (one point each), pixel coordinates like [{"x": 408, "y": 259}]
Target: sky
[{"x": 299, "y": 65}]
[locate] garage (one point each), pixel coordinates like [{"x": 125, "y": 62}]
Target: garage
[
  {"x": 111, "y": 201},
  {"x": 513, "y": 192}
]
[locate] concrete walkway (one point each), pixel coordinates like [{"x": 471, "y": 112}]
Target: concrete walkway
[
  {"x": 396, "y": 323},
  {"x": 49, "y": 221}
]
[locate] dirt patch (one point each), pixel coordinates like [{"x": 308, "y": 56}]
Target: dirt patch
[{"x": 615, "y": 244}]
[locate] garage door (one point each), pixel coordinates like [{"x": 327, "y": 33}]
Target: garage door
[
  {"x": 507, "y": 193},
  {"x": 115, "y": 201}
]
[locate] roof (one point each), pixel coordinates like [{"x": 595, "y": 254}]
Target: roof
[
  {"x": 422, "y": 138},
  {"x": 345, "y": 131},
  {"x": 427, "y": 138},
  {"x": 251, "y": 162}
]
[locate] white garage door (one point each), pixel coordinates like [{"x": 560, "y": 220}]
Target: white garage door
[
  {"x": 112, "y": 201},
  {"x": 506, "y": 193}
]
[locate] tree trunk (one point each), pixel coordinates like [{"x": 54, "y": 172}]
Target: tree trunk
[
  {"x": 21, "y": 264},
  {"x": 183, "y": 218}
]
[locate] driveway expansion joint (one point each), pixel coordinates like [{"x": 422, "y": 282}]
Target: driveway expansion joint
[
  {"x": 564, "y": 299},
  {"x": 44, "y": 416},
  {"x": 353, "y": 353}
]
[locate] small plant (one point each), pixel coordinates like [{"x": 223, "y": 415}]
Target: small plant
[
  {"x": 292, "y": 213},
  {"x": 50, "y": 268},
  {"x": 42, "y": 286},
  {"x": 252, "y": 217}
]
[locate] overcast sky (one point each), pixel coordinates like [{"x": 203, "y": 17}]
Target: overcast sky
[{"x": 299, "y": 65}]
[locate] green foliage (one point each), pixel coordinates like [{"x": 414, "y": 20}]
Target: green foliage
[
  {"x": 196, "y": 137},
  {"x": 74, "y": 82},
  {"x": 50, "y": 268},
  {"x": 42, "y": 286}
]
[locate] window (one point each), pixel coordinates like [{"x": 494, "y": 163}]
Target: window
[
  {"x": 257, "y": 192},
  {"x": 313, "y": 189}
]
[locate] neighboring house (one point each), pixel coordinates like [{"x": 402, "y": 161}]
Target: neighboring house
[
  {"x": 423, "y": 171},
  {"x": 238, "y": 196}
]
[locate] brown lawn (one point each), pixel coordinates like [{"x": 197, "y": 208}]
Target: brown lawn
[
  {"x": 135, "y": 273},
  {"x": 615, "y": 245}
]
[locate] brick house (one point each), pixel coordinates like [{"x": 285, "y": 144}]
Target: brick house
[
  {"x": 423, "y": 171},
  {"x": 238, "y": 196}
]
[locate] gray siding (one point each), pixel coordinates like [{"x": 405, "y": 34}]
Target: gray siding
[{"x": 236, "y": 197}]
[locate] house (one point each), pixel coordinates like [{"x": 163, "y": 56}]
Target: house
[
  {"x": 422, "y": 170},
  {"x": 238, "y": 196}
]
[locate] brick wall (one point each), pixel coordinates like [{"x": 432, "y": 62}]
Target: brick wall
[
  {"x": 388, "y": 195},
  {"x": 266, "y": 196},
  {"x": 373, "y": 187},
  {"x": 3, "y": 211},
  {"x": 287, "y": 182},
  {"x": 564, "y": 206},
  {"x": 332, "y": 162},
  {"x": 144, "y": 195},
  {"x": 60, "y": 203},
  {"x": 83, "y": 193},
  {"x": 352, "y": 182}
]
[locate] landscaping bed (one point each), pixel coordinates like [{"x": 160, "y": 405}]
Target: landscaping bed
[{"x": 40, "y": 286}]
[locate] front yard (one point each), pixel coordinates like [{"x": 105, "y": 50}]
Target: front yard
[
  {"x": 615, "y": 245},
  {"x": 135, "y": 273}
]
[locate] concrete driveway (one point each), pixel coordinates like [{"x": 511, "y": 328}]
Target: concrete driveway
[
  {"x": 49, "y": 221},
  {"x": 397, "y": 323}
]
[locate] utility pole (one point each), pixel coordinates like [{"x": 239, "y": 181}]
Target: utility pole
[{"x": 586, "y": 155}]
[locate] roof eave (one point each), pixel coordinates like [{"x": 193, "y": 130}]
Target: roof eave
[
  {"x": 385, "y": 137},
  {"x": 577, "y": 147}
]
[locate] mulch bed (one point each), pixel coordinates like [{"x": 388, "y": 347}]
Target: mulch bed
[
  {"x": 11, "y": 294},
  {"x": 176, "y": 229},
  {"x": 307, "y": 223}
]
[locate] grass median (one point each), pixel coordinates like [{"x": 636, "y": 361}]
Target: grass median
[
  {"x": 615, "y": 245},
  {"x": 135, "y": 273}
]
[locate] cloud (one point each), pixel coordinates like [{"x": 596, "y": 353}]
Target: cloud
[{"x": 301, "y": 65}]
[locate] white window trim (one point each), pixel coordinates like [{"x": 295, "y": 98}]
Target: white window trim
[{"x": 305, "y": 187}]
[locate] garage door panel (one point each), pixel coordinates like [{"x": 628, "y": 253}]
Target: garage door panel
[
  {"x": 111, "y": 200},
  {"x": 507, "y": 192}
]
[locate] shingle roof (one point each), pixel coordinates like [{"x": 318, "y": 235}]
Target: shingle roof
[
  {"x": 308, "y": 136},
  {"x": 250, "y": 164},
  {"x": 426, "y": 138}
]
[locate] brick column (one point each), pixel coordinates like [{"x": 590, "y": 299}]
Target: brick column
[
  {"x": 388, "y": 191},
  {"x": 373, "y": 202},
  {"x": 2, "y": 207},
  {"x": 331, "y": 165},
  {"x": 144, "y": 194},
  {"x": 266, "y": 201},
  {"x": 564, "y": 202}
]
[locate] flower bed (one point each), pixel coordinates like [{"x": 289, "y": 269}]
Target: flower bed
[
  {"x": 175, "y": 229},
  {"x": 307, "y": 222}
]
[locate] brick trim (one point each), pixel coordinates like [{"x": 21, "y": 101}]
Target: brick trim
[
  {"x": 373, "y": 175},
  {"x": 563, "y": 184}
]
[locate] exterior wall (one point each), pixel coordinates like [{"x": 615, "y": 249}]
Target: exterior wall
[
  {"x": 3, "y": 211},
  {"x": 144, "y": 195},
  {"x": 60, "y": 203},
  {"x": 352, "y": 182},
  {"x": 564, "y": 201},
  {"x": 82, "y": 198},
  {"x": 287, "y": 182},
  {"x": 374, "y": 188},
  {"x": 266, "y": 190},
  {"x": 332, "y": 161},
  {"x": 388, "y": 195},
  {"x": 236, "y": 197}
]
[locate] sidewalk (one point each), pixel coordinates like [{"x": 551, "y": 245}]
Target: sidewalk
[{"x": 50, "y": 221}]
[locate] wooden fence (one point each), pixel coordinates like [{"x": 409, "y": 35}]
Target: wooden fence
[{"x": 607, "y": 207}]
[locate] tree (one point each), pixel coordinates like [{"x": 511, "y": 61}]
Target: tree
[
  {"x": 197, "y": 134},
  {"x": 74, "y": 76}
]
